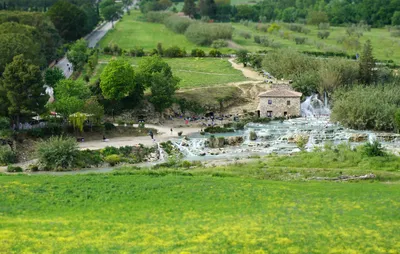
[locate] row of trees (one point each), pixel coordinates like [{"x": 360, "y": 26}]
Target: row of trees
[{"x": 337, "y": 12}]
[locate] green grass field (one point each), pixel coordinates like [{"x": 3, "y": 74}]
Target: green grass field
[
  {"x": 385, "y": 47},
  {"x": 131, "y": 31},
  {"x": 180, "y": 212},
  {"x": 193, "y": 72}
]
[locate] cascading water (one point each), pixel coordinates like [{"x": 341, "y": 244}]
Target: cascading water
[
  {"x": 161, "y": 152},
  {"x": 313, "y": 107}
]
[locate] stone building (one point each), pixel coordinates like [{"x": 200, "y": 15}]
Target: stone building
[{"x": 280, "y": 101}]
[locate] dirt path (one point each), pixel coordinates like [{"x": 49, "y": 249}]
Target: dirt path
[
  {"x": 247, "y": 72},
  {"x": 164, "y": 134}
]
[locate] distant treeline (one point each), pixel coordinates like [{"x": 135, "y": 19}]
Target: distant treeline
[{"x": 377, "y": 13}]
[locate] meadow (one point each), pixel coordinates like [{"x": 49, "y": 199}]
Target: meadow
[
  {"x": 136, "y": 211},
  {"x": 134, "y": 31},
  {"x": 193, "y": 72}
]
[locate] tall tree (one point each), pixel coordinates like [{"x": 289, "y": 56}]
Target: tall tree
[
  {"x": 126, "y": 4},
  {"x": 22, "y": 82},
  {"x": 68, "y": 19},
  {"x": 52, "y": 76},
  {"x": 111, "y": 10},
  {"x": 207, "y": 8},
  {"x": 368, "y": 74},
  {"x": 117, "y": 80},
  {"x": 78, "y": 54},
  {"x": 189, "y": 8}
]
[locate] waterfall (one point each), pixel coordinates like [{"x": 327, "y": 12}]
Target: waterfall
[
  {"x": 313, "y": 106},
  {"x": 371, "y": 138},
  {"x": 161, "y": 152},
  {"x": 326, "y": 99}
]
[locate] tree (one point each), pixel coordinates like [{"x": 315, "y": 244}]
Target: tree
[
  {"x": 396, "y": 18},
  {"x": 52, "y": 76},
  {"x": 367, "y": 65},
  {"x": 189, "y": 8},
  {"x": 78, "y": 54},
  {"x": 117, "y": 80},
  {"x": 93, "y": 108},
  {"x": 111, "y": 10},
  {"x": 207, "y": 8},
  {"x": 68, "y": 19},
  {"x": 162, "y": 91},
  {"x": 126, "y": 4},
  {"x": 317, "y": 17},
  {"x": 397, "y": 119},
  {"x": 242, "y": 56},
  {"x": 23, "y": 85}
]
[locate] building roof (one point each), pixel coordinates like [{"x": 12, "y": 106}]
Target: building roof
[{"x": 280, "y": 93}]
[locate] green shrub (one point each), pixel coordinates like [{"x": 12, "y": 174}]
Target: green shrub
[
  {"x": 109, "y": 150},
  {"x": 14, "y": 169},
  {"x": 125, "y": 150},
  {"x": 323, "y": 34},
  {"x": 157, "y": 16},
  {"x": 300, "y": 40},
  {"x": 174, "y": 51},
  {"x": 218, "y": 129},
  {"x": 88, "y": 158},
  {"x": 197, "y": 53},
  {"x": 113, "y": 159},
  {"x": 219, "y": 44},
  {"x": 215, "y": 53},
  {"x": 177, "y": 24},
  {"x": 373, "y": 149},
  {"x": 33, "y": 168},
  {"x": 252, "y": 136},
  {"x": 58, "y": 152},
  {"x": 7, "y": 156},
  {"x": 186, "y": 164},
  {"x": 205, "y": 33},
  {"x": 109, "y": 126},
  {"x": 137, "y": 52},
  {"x": 245, "y": 34},
  {"x": 4, "y": 123}
]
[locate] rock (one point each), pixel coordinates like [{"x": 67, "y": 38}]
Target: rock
[
  {"x": 234, "y": 141},
  {"x": 358, "y": 138},
  {"x": 202, "y": 154},
  {"x": 214, "y": 142}
]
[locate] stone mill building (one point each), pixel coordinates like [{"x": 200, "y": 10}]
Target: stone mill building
[{"x": 280, "y": 101}]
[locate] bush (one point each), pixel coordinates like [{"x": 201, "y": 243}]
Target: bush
[
  {"x": 157, "y": 16},
  {"x": 33, "y": 168},
  {"x": 137, "y": 52},
  {"x": 262, "y": 27},
  {"x": 109, "y": 126},
  {"x": 7, "y": 156},
  {"x": 4, "y": 123},
  {"x": 197, "y": 53},
  {"x": 125, "y": 150},
  {"x": 174, "y": 51},
  {"x": 215, "y": 53},
  {"x": 323, "y": 34},
  {"x": 219, "y": 44},
  {"x": 324, "y": 26},
  {"x": 252, "y": 135},
  {"x": 245, "y": 34},
  {"x": 257, "y": 39},
  {"x": 88, "y": 158},
  {"x": 58, "y": 152},
  {"x": 373, "y": 149},
  {"x": 395, "y": 33},
  {"x": 109, "y": 150},
  {"x": 178, "y": 24},
  {"x": 218, "y": 129},
  {"x": 14, "y": 169},
  {"x": 113, "y": 159},
  {"x": 205, "y": 33},
  {"x": 300, "y": 40}
]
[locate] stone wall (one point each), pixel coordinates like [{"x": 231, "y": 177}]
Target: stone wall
[{"x": 279, "y": 106}]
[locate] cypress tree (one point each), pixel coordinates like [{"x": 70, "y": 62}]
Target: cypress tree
[
  {"x": 367, "y": 65},
  {"x": 189, "y": 8}
]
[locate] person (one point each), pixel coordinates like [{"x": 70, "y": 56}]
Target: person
[
  {"x": 151, "y": 134},
  {"x": 171, "y": 131},
  {"x": 105, "y": 139}
]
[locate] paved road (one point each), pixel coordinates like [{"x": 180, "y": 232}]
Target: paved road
[{"x": 93, "y": 38}]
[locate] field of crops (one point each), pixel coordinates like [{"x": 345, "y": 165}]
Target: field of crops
[{"x": 207, "y": 213}]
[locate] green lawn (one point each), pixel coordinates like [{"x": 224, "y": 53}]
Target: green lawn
[
  {"x": 193, "y": 72},
  {"x": 131, "y": 31},
  {"x": 143, "y": 211}
]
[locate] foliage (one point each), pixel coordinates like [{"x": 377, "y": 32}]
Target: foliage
[
  {"x": 174, "y": 51},
  {"x": 205, "y": 33},
  {"x": 177, "y": 24},
  {"x": 4, "y": 123},
  {"x": 158, "y": 16},
  {"x": 52, "y": 76},
  {"x": 243, "y": 56},
  {"x": 301, "y": 141},
  {"x": 253, "y": 135},
  {"x": 217, "y": 129},
  {"x": 7, "y": 156},
  {"x": 375, "y": 107},
  {"x": 88, "y": 158},
  {"x": 300, "y": 40},
  {"x": 189, "y": 8},
  {"x": 373, "y": 149},
  {"x": 22, "y": 83},
  {"x": 78, "y": 54},
  {"x": 367, "y": 65},
  {"x": 207, "y": 8},
  {"x": 109, "y": 150},
  {"x": 317, "y": 17},
  {"x": 14, "y": 169},
  {"x": 94, "y": 110},
  {"x": 113, "y": 159},
  {"x": 162, "y": 91},
  {"x": 118, "y": 80},
  {"x": 58, "y": 152},
  {"x": 137, "y": 52},
  {"x": 220, "y": 43},
  {"x": 111, "y": 10},
  {"x": 397, "y": 119},
  {"x": 214, "y": 53},
  {"x": 197, "y": 53},
  {"x": 108, "y": 126},
  {"x": 68, "y": 19},
  {"x": 323, "y": 34},
  {"x": 78, "y": 119}
]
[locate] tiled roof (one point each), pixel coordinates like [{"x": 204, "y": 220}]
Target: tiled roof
[{"x": 280, "y": 93}]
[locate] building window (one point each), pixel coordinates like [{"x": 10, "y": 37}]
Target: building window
[
  {"x": 269, "y": 113},
  {"x": 270, "y": 102},
  {"x": 288, "y": 103}
]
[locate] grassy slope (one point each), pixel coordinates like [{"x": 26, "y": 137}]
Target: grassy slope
[
  {"x": 131, "y": 32},
  {"x": 202, "y": 214},
  {"x": 194, "y": 72},
  {"x": 385, "y": 47}
]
